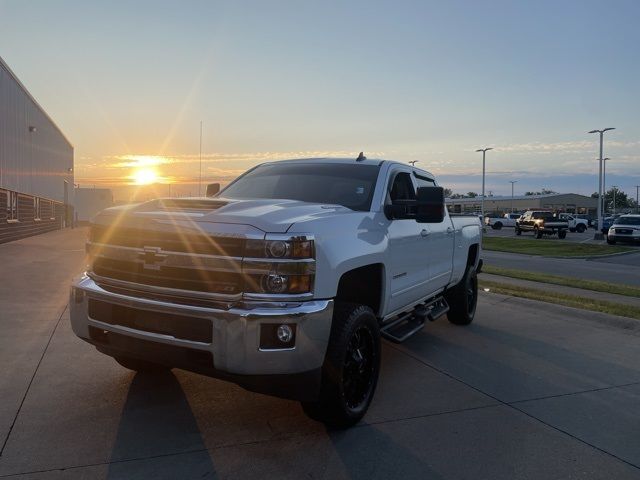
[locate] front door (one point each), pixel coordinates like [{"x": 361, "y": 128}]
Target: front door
[{"x": 407, "y": 251}]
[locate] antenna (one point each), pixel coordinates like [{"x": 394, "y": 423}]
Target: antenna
[
  {"x": 413, "y": 162},
  {"x": 361, "y": 157}
]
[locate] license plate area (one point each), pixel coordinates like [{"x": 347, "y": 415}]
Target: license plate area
[{"x": 178, "y": 326}]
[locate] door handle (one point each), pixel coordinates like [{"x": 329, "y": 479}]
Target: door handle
[
  {"x": 425, "y": 232},
  {"x": 449, "y": 230}
]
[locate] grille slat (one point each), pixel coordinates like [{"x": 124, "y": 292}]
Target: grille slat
[{"x": 169, "y": 241}]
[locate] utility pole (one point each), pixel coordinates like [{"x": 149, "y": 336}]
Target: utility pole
[
  {"x": 598, "y": 235},
  {"x": 200, "y": 178},
  {"x": 637, "y": 204},
  {"x": 512, "y": 182},
  {"x": 484, "y": 151}
]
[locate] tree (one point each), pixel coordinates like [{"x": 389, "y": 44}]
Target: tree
[
  {"x": 472, "y": 194},
  {"x": 595, "y": 195},
  {"x": 448, "y": 192},
  {"x": 456, "y": 195},
  {"x": 621, "y": 200},
  {"x": 544, "y": 191}
]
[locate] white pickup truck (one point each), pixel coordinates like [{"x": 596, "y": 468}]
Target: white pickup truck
[
  {"x": 283, "y": 282},
  {"x": 507, "y": 220}
]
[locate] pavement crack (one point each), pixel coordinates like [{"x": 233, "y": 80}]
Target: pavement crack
[
  {"x": 599, "y": 389},
  {"x": 15, "y": 418}
]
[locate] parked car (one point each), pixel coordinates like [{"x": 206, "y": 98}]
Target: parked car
[
  {"x": 575, "y": 224},
  {"x": 626, "y": 228},
  {"x": 284, "y": 282},
  {"x": 607, "y": 222},
  {"x": 506, "y": 220},
  {"x": 541, "y": 222}
]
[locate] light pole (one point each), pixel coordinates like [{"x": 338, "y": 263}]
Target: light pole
[
  {"x": 484, "y": 151},
  {"x": 512, "y": 182},
  {"x": 598, "y": 235},
  {"x": 604, "y": 185},
  {"x": 200, "y": 178}
]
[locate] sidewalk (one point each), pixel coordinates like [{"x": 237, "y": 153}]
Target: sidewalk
[{"x": 550, "y": 287}]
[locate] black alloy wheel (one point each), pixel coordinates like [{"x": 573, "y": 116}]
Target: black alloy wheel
[{"x": 358, "y": 368}]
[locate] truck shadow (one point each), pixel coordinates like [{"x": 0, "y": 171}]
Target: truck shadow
[
  {"x": 366, "y": 452},
  {"x": 158, "y": 436}
]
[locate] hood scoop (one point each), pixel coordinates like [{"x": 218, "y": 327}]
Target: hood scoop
[{"x": 187, "y": 205}]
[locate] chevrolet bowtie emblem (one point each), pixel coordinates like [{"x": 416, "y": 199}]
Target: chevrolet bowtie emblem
[{"x": 152, "y": 258}]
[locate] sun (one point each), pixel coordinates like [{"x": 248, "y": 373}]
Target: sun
[{"x": 145, "y": 176}]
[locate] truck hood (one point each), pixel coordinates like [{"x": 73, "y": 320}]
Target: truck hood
[{"x": 268, "y": 215}]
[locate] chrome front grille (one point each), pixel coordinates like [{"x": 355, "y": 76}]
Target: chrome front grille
[{"x": 168, "y": 260}]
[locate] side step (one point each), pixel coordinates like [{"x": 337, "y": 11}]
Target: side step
[{"x": 408, "y": 324}]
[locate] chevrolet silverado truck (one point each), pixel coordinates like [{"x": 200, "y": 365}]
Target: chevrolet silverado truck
[
  {"x": 541, "y": 222},
  {"x": 284, "y": 282}
]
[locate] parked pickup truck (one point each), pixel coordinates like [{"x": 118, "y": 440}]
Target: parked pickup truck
[
  {"x": 626, "y": 228},
  {"x": 283, "y": 282},
  {"x": 541, "y": 223},
  {"x": 576, "y": 224},
  {"x": 506, "y": 220}
]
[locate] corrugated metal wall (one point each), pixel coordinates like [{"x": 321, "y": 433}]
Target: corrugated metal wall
[{"x": 32, "y": 162}]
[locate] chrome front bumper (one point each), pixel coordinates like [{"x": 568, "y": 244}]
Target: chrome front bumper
[{"x": 235, "y": 345}]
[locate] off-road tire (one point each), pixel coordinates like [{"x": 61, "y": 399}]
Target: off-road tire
[
  {"x": 610, "y": 241},
  {"x": 562, "y": 234},
  {"x": 497, "y": 226},
  {"x": 141, "y": 366},
  {"x": 518, "y": 231},
  {"x": 346, "y": 370},
  {"x": 463, "y": 298},
  {"x": 581, "y": 228}
]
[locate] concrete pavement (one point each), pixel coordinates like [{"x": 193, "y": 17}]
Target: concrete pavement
[{"x": 529, "y": 390}]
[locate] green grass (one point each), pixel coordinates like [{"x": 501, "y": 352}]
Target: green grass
[
  {"x": 548, "y": 247},
  {"x": 575, "y": 301},
  {"x": 594, "y": 285}
]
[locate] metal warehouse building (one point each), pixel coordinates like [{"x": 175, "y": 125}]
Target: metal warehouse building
[
  {"x": 36, "y": 165},
  {"x": 559, "y": 202}
]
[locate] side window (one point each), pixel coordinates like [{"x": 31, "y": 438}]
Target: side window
[
  {"x": 36, "y": 208},
  {"x": 12, "y": 206},
  {"x": 402, "y": 188}
]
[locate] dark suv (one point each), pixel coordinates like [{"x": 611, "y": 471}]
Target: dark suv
[{"x": 541, "y": 223}]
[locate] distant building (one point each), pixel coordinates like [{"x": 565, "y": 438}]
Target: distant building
[
  {"x": 559, "y": 202},
  {"x": 36, "y": 165},
  {"x": 90, "y": 201}
]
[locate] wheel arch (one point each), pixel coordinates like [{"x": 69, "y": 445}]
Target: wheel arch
[{"x": 363, "y": 285}]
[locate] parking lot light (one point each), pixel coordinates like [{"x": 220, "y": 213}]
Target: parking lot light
[
  {"x": 484, "y": 151},
  {"x": 512, "y": 182},
  {"x": 599, "y": 235}
]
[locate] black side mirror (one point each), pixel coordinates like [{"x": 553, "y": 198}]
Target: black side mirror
[
  {"x": 212, "y": 189},
  {"x": 430, "y": 205}
]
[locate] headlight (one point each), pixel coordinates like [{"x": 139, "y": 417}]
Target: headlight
[
  {"x": 279, "y": 266},
  {"x": 294, "y": 247}
]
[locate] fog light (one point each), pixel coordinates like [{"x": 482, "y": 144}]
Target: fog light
[{"x": 285, "y": 334}]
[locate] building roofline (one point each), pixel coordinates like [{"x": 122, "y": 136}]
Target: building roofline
[{"x": 4, "y": 65}]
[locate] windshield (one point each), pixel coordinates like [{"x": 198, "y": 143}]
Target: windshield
[
  {"x": 349, "y": 185},
  {"x": 628, "y": 221}
]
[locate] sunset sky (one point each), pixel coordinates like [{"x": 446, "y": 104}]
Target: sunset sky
[{"x": 129, "y": 82}]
